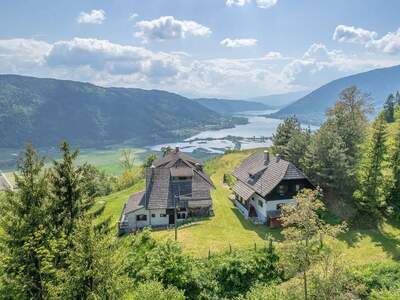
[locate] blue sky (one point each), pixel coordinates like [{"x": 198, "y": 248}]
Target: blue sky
[{"x": 223, "y": 48}]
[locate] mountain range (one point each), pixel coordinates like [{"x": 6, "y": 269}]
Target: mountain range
[
  {"x": 47, "y": 111},
  {"x": 229, "y": 107},
  {"x": 379, "y": 83}
]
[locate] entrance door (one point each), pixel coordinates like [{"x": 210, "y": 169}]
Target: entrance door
[{"x": 171, "y": 219}]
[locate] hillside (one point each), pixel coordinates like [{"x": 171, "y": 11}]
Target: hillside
[
  {"x": 229, "y": 228},
  {"x": 312, "y": 107},
  {"x": 278, "y": 100},
  {"x": 228, "y": 107},
  {"x": 46, "y": 111}
]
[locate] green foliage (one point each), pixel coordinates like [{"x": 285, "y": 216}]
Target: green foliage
[
  {"x": 151, "y": 290},
  {"x": 388, "y": 108},
  {"x": 304, "y": 232},
  {"x": 96, "y": 182},
  {"x": 70, "y": 199},
  {"x": 149, "y": 160},
  {"x": 229, "y": 179},
  {"x": 394, "y": 166},
  {"x": 370, "y": 194},
  {"x": 129, "y": 178},
  {"x": 236, "y": 272},
  {"x": 268, "y": 292},
  {"x": 24, "y": 222},
  {"x": 94, "y": 266}
]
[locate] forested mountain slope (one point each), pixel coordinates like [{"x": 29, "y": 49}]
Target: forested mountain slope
[
  {"x": 379, "y": 83},
  {"x": 46, "y": 111}
]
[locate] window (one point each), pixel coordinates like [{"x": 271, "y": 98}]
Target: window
[
  {"x": 141, "y": 218},
  {"x": 181, "y": 216},
  {"x": 282, "y": 189},
  {"x": 260, "y": 203},
  {"x": 298, "y": 187},
  {"x": 163, "y": 215},
  {"x": 153, "y": 215}
]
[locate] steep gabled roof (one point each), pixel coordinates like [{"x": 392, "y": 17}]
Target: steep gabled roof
[
  {"x": 5, "y": 184},
  {"x": 262, "y": 175},
  {"x": 172, "y": 157},
  {"x": 135, "y": 202}
]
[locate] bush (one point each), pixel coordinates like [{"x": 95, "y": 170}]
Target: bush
[
  {"x": 150, "y": 290},
  {"x": 129, "y": 178}
]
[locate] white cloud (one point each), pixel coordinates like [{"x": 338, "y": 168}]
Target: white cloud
[
  {"x": 352, "y": 34},
  {"x": 389, "y": 43},
  {"x": 110, "y": 64},
  {"x": 95, "y": 16},
  {"x": 167, "y": 27},
  {"x": 266, "y": 3},
  {"x": 236, "y": 43},
  {"x": 273, "y": 55},
  {"x": 259, "y": 3},
  {"x": 237, "y": 2},
  {"x": 133, "y": 16},
  {"x": 116, "y": 59}
]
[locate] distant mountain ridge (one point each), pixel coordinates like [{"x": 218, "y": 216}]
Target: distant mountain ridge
[
  {"x": 312, "y": 107},
  {"x": 46, "y": 111},
  {"x": 278, "y": 100},
  {"x": 228, "y": 107}
]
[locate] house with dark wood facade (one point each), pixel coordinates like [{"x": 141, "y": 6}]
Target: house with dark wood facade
[
  {"x": 263, "y": 184},
  {"x": 176, "y": 188}
]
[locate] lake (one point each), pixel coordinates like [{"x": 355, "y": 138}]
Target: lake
[{"x": 257, "y": 133}]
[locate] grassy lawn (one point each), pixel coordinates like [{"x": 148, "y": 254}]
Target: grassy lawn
[{"x": 228, "y": 227}]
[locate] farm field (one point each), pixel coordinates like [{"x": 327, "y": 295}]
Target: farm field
[{"x": 228, "y": 227}]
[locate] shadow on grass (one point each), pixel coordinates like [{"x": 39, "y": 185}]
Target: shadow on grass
[
  {"x": 389, "y": 242},
  {"x": 262, "y": 230}
]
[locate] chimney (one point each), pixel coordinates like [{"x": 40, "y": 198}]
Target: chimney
[
  {"x": 266, "y": 157},
  {"x": 177, "y": 149},
  {"x": 278, "y": 157},
  {"x": 199, "y": 167}
]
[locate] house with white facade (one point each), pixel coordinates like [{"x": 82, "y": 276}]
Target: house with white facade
[
  {"x": 176, "y": 188},
  {"x": 263, "y": 184}
]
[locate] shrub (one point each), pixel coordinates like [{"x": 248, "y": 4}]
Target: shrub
[{"x": 150, "y": 290}]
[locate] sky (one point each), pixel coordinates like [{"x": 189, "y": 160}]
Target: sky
[{"x": 199, "y": 48}]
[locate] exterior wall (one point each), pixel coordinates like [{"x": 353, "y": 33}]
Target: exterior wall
[
  {"x": 267, "y": 206},
  {"x": 291, "y": 189},
  {"x": 131, "y": 219},
  {"x": 158, "y": 220}
]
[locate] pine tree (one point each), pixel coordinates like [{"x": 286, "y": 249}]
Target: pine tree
[
  {"x": 284, "y": 133},
  {"x": 297, "y": 146},
  {"x": 25, "y": 231},
  {"x": 394, "y": 165},
  {"x": 370, "y": 194},
  {"x": 397, "y": 99},
  {"x": 95, "y": 266},
  {"x": 327, "y": 164},
  {"x": 70, "y": 199},
  {"x": 388, "y": 108}
]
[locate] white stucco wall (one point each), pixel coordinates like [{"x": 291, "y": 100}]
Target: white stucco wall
[
  {"x": 267, "y": 206},
  {"x": 157, "y": 220}
]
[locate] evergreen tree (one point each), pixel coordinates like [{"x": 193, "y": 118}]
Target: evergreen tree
[
  {"x": 348, "y": 117},
  {"x": 284, "y": 133},
  {"x": 70, "y": 199},
  {"x": 394, "y": 164},
  {"x": 370, "y": 194},
  {"x": 397, "y": 99},
  {"x": 388, "y": 108},
  {"x": 297, "y": 146},
  {"x": 25, "y": 239},
  {"x": 327, "y": 164},
  {"x": 95, "y": 266}
]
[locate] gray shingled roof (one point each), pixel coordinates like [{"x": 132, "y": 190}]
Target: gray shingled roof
[
  {"x": 161, "y": 190},
  {"x": 172, "y": 157},
  {"x": 263, "y": 176},
  {"x": 134, "y": 202},
  {"x": 4, "y": 182},
  {"x": 243, "y": 190}
]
